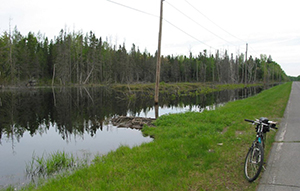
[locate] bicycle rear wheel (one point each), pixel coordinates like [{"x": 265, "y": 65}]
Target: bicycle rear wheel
[{"x": 254, "y": 162}]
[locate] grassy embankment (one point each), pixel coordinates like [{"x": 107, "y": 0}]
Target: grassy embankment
[
  {"x": 191, "y": 151},
  {"x": 180, "y": 88},
  {"x": 133, "y": 91}
]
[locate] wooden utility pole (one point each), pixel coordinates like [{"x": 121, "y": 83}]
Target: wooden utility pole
[{"x": 158, "y": 56}]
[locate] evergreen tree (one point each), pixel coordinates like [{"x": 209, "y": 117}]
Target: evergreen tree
[{"x": 75, "y": 58}]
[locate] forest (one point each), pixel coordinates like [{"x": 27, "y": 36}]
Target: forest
[
  {"x": 78, "y": 58},
  {"x": 292, "y": 78}
]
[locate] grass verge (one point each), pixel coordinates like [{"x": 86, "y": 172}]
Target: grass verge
[{"x": 191, "y": 151}]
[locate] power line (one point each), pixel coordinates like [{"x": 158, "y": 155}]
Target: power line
[
  {"x": 163, "y": 19},
  {"x": 253, "y": 50},
  {"x": 199, "y": 24},
  {"x": 188, "y": 34},
  {"x": 178, "y": 28},
  {"x": 133, "y": 9},
  {"x": 214, "y": 22}
]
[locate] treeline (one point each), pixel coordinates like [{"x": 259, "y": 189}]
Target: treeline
[
  {"x": 75, "y": 58},
  {"x": 292, "y": 78}
]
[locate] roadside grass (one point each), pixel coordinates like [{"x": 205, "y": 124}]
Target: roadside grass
[{"x": 190, "y": 151}]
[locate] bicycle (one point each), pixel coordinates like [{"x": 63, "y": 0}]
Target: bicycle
[{"x": 255, "y": 156}]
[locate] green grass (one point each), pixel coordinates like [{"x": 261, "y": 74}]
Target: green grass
[{"x": 191, "y": 151}]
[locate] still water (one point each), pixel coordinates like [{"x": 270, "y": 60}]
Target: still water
[{"x": 77, "y": 120}]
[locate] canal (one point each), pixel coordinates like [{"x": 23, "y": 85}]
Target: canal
[{"x": 40, "y": 121}]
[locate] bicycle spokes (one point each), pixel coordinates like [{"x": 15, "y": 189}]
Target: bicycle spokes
[
  {"x": 253, "y": 162},
  {"x": 255, "y": 156}
]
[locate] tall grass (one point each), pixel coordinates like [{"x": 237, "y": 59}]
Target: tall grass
[
  {"x": 191, "y": 151},
  {"x": 51, "y": 164}
]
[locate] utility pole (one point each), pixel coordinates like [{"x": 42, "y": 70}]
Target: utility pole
[{"x": 158, "y": 56}]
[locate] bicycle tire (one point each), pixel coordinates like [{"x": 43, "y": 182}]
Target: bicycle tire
[{"x": 254, "y": 162}]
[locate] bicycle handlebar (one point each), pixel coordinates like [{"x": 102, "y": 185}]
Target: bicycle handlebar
[
  {"x": 271, "y": 123},
  {"x": 248, "y": 120}
]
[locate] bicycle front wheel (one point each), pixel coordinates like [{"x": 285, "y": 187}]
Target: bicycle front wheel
[{"x": 254, "y": 162}]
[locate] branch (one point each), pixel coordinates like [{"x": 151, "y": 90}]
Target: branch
[{"x": 88, "y": 75}]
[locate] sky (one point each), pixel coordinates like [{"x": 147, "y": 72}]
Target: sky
[{"x": 269, "y": 27}]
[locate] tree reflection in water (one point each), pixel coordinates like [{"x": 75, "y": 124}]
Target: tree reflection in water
[{"x": 85, "y": 110}]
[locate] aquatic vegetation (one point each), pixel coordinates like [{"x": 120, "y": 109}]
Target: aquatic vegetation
[{"x": 51, "y": 164}]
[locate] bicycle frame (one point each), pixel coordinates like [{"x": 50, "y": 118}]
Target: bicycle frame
[
  {"x": 255, "y": 156},
  {"x": 259, "y": 133}
]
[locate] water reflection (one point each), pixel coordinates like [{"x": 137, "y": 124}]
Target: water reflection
[
  {"x": 176, "y": 104},
  {"x": 86, "y": 110},
  {"x": 77, "y": 120}
]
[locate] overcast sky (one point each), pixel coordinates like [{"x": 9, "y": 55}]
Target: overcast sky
[{"x": 269, "y": 27}]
